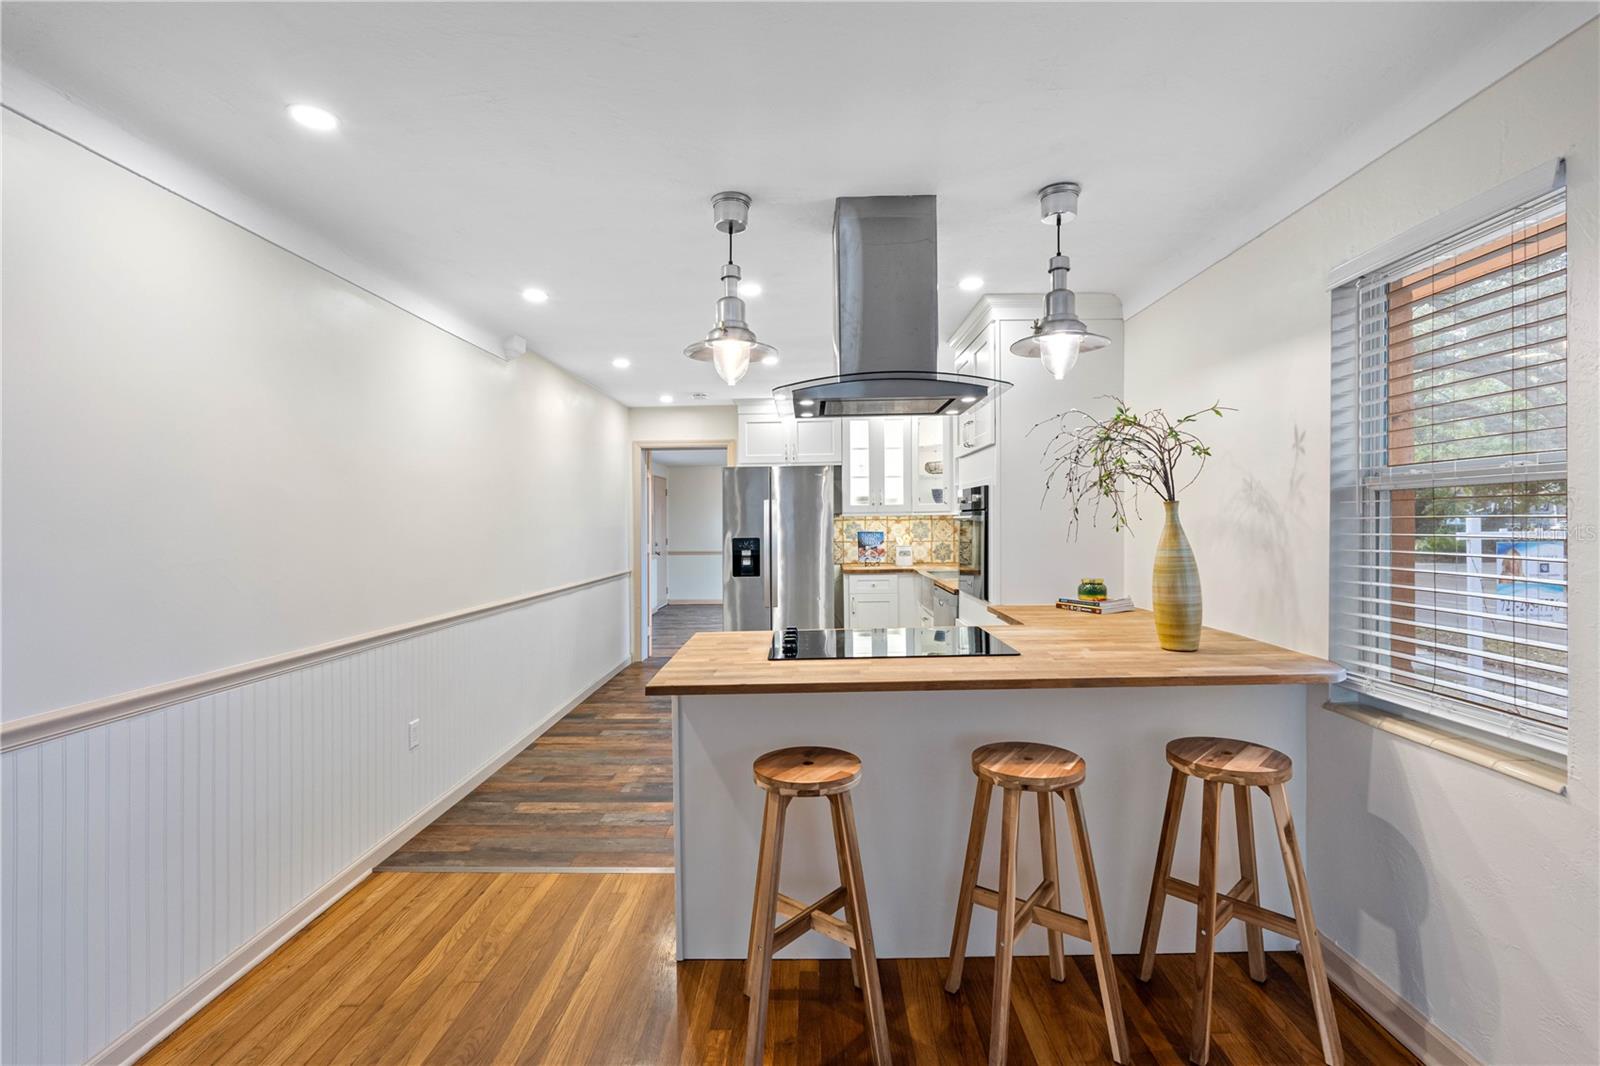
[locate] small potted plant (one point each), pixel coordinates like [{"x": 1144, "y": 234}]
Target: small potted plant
[{"x": 1108, "y": 461}]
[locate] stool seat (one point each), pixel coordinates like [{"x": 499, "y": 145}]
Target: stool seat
[
  {"x": 1232, "y": 762},
  {"x": 1029, "y": 767},
  {"x": 808, "y": 771}
]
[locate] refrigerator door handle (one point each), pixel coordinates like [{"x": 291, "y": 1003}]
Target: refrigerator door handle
[{"x": 772, "y": 556}]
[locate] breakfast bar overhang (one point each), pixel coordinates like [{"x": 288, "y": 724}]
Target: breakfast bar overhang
[{"x": 1098, "y": 685}]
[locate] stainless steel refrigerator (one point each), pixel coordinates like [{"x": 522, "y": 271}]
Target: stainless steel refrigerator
[{"x": 777, "y": 548}]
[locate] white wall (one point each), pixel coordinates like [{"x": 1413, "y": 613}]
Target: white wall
[
  {"x": 1472, "y": 895},
  {"x": 215, "y": 452},
  {"x": 694, "y": 524},
  {"x": 668, "y": 425}
]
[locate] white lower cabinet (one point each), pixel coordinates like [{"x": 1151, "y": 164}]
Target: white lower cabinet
[{"x": 890, "y": 601}]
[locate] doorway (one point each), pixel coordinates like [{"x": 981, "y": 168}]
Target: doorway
[{"x": 680, "y": 533}]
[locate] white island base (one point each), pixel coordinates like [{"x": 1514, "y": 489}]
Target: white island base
[{"x": 914, "y": 802}]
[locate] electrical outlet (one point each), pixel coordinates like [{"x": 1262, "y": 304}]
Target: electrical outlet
[{"x": 414, "y": 732}]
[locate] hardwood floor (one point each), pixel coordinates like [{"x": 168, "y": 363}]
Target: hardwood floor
[
  {"x": 595, "y": 791},
  {"x": 578, "y": 969}
]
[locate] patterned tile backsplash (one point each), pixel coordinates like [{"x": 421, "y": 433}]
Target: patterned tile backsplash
[{"x": 932, "y": 537}]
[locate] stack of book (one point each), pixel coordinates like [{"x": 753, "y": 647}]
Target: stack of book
[{"x": 1111, "y": 606}]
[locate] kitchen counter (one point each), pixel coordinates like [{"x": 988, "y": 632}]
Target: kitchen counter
[
  {"x": 1075, "y": 650},
  {"x": 941, "y": 574},
  {"x": 1098, "y": 685}
]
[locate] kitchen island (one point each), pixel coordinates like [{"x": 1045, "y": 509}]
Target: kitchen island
[{"x": 1099, "y": 685}]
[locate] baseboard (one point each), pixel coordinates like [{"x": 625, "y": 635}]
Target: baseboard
[
  {"x": 1420, "y": 1036},
  {"x": 692, "y": 603},
  {"x": 158, "y": 1026}
]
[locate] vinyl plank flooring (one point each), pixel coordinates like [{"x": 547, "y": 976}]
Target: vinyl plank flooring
[
  {"x": 594, "y": 791},
  {"x": 472, "y": 968}
]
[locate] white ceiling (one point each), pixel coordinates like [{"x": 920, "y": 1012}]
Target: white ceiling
[{"x": 573, "y": 147}]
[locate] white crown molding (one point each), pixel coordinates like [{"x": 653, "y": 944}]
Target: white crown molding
[
  {"x": 1537, "y": 30},
  {"x": 50, "y": 108}
]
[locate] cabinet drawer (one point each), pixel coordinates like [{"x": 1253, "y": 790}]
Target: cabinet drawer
[{"x": 870, "y": 584}]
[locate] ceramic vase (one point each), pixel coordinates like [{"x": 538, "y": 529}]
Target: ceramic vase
[{"x": 1175, "y": 588}]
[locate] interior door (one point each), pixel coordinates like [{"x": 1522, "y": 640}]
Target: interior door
[{"x": 658, "y": 541}]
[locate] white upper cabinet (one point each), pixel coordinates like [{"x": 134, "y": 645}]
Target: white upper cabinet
[
  {"x": 975, "y": 427},
  {"x": 816, "y": 441},
  {"x": 772, "y": 440},
  {"x": 932, "y": 465},
  {"x": 763, "y": 439},
  {"x": 877, "y": 468}
]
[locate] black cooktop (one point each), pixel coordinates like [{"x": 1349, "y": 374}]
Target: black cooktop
[{"x": 885, "y": 643}]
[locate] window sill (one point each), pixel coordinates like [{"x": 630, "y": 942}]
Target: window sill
[{"x": 1531, "y": 771}]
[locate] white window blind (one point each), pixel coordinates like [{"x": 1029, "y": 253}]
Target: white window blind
[{"x": 1449, "y": 509}]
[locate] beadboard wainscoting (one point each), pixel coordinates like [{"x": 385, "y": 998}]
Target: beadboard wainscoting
[{"x": 152, "y": 858}]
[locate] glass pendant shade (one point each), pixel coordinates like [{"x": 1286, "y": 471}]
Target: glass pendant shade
[
  {"x": 1059, "y": 352},
  {"x": 731, "y": 358}
]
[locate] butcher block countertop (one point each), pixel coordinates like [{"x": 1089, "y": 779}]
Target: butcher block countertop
[
  {"x": 1059, "y": 649},
  {"x": 944, "y": 575}
]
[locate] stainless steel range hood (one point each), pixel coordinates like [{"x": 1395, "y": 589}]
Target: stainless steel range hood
[{"x": 886, "y": 319}]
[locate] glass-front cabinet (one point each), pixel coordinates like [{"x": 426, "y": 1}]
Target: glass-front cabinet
[
  {"x": 897, "y": 465},
  {"x": 877, "y": 465},
  {"x": 932, "y": 466}
]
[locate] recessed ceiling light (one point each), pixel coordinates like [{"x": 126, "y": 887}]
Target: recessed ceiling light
[
  {"x": 971, "y": 283},
  {"x": 749, "y": 289},
  {"x": 665, "y": 397},
  {"x": 769, "y": 360},
  {"x": 969, "y": 399},
  {"x": 807, "y": 403},
  {"x": 808, "y": 414},
  {"x": 535, "y": 296},
  {"x": 313, "y": 117},
  {"x": 622, "y": 362}
]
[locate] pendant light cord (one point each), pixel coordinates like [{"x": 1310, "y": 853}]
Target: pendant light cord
[
  {"x": 730, "y": 245},
  {"x": 1058, "y": 234}
]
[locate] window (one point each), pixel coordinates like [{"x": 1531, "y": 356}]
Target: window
[{"x": 1449, "y": 518}]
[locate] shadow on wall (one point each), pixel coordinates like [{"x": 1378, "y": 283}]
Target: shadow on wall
[
  {"x": 1271, "y": 531},
  {"x": 1387, "y": 886}
]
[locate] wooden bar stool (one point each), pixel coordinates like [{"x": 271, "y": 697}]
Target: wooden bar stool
[
  {"x": 1218, "y": 762},
  {"x": 785, "y": 774},
  {"x": 1015, "y": 767}
]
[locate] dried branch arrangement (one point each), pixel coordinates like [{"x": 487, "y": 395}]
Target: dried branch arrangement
[{"x": 1106, "y": 460}]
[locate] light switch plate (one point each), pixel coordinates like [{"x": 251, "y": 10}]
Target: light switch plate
[{"x": 414, "y": 733}]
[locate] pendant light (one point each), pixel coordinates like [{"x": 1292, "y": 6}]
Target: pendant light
[
  {"x": 731, "y": 344},
  {"x": 1060, "y": 335}
]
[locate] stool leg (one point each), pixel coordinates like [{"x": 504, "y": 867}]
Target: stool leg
[
  {"x": 1205, "y": 926},
  {"x": 1247, "y": 869},
  {"x": 1051, "y": 864},
  {"x": 1158, "y": 883},
  {"x": 969, "y": 879},
  {"x": 861, "y": 923},
  {"x": 1099, "y": 940},
  {"x": 766, "y": 916},
  {"x": 1004, "y": 926},
  {"x": 762, "y": 854},
  {"x": 840, "y": 849},
  {"x": 1310, "y": 946}
]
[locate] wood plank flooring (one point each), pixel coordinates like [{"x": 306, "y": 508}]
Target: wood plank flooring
[
  {"x": 578, "y": 969},
  {"x": 594, "y": 791}
]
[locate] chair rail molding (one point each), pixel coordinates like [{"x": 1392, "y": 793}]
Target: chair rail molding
[{"x": 38, "y": 728}]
